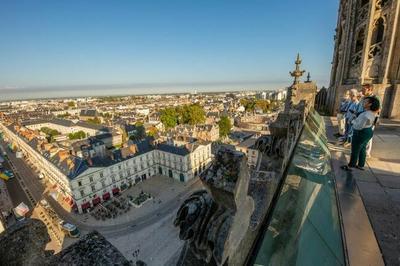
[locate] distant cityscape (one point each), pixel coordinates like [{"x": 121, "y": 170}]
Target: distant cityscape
[
  {"x": 82, "y": 155},
  {"x": 265, "y": 167}
]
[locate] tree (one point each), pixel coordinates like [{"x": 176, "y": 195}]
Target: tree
[
  {"x": 249, "y": 104},
  {"x": 50, "y": 133},
  {"x": 106, "y": 115},
  {"x": 77, "y": 135},
  {"x": 196, "y": 115},
  {"x": 152, "y": 131},
  {"x": 141, "y": 132},
  {"x": 187, "y": 114},
  {"x": 225, "y": 126},
  {"x": 95, "y": 121},
  {"x": 191, "y": 114},
  {"x": 71, "y": 104},
  {"x": 264, "y": 105},
  {"x": 169, "y": 117}
]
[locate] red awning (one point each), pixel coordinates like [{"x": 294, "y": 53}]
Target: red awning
[
  {"x": 106, "y": 196},
  {"x": 96, "y": 201},
  {"x": 115, "y": 190},
  {"x": 69, "y": 200},
  {"x": 85, "y": 205}
]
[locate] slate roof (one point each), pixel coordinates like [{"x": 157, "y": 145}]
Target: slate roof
[
  {"x": 93, "y": 126},
  {"x": 89, "y": 112},
  {"x": 144, "y": 146},
  {"x": 181, "y": 150},
  {"x": 71, "y": 166},
  {"x": 247, "y": 143}
]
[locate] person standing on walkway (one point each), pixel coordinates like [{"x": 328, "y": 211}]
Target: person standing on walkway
[
  {"x": 350, "y": 116},
  {"x": 367, "y": 91},
  {"x": 362, "y": 133},
  {"x": 344, "y": 104}
]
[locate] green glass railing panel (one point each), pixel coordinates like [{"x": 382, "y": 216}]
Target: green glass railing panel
[{"x": 305, "y": 227}]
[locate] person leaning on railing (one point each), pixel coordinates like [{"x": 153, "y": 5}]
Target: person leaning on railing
[{"x": 362, "y": 133}]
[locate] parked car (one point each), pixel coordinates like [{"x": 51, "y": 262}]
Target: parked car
[
  {"x": 20, "y": 211},
  {"x": 9, "y": 173}
]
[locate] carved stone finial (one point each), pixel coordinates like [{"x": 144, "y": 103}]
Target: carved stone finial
[
  {"x": 297, "y": 73},
  {"x": 308, "y": 78}
]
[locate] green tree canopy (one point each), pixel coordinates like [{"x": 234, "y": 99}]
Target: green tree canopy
[
  {"x": 192, "y": 114},
  {"x": 249, "y": 104},
  {"x": 225, "y": 126},
  {"x": 265, "y": 105},
  {"x": 141, "y": 132},
  {"x": 169, "y": 117},
  {"x": 71, "y": 104},
  {"x": 152, "y": 131},
  {"x": 77, "y": 135},
  {"x": 50, "y": 131},
  {"x": 95, "y": 121}
]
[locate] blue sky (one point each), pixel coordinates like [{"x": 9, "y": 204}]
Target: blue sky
[{"x": 194, "y": 43}]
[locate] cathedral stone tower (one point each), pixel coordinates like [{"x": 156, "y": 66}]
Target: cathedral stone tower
[{"x": 367, "y": 50}]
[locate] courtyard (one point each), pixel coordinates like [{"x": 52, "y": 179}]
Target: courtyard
[{"x": 121, "y": 209}]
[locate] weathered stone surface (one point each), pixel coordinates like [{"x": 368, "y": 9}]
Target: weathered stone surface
[
  {"x": 91, "y": 249},
  {"x": 24, "y": 244}
]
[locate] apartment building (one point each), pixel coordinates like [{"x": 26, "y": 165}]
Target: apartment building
[
  {"x": 66, "y": 126},
  {"x": 85, "y": 182}
]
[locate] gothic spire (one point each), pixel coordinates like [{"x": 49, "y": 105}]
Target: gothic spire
[
  {"x": 308, "y": 78},
  {"x": 297, "y": 73}
]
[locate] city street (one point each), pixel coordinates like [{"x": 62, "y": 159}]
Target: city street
[
  {"x": 15, "y": 190},
  {"x": 29, "y": 181},
  {"x": 148, "y": 230}
]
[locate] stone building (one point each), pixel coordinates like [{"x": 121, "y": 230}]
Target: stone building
[
  {"x": 88, "y": 180},
  {"x": 367, "y": 50}
]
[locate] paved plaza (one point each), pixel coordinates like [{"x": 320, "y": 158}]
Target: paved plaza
[
  {"x": 156, "y": 244},
  {"x": 162, "y": 189},
  {"x": 379, "y": 188}
]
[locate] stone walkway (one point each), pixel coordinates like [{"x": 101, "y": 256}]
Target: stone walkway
[
  {"x": 379, "y": 187},
  {"x": 381, "y": 190}
]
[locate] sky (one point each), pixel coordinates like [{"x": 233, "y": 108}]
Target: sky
[{"x": 149, "y": 44}]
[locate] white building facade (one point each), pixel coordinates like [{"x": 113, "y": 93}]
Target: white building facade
[{"x": 97, "y": 184}]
